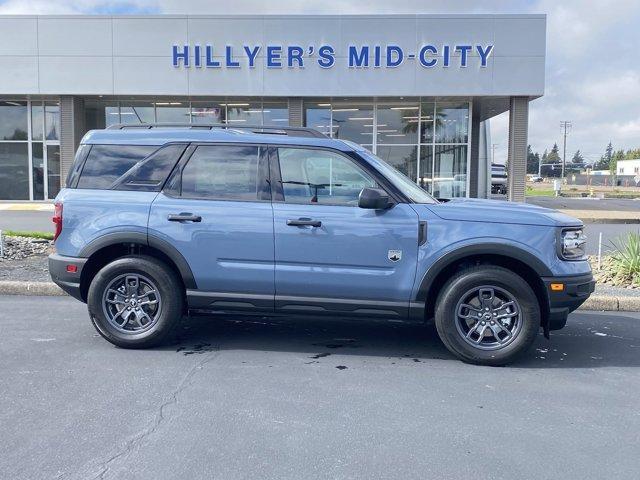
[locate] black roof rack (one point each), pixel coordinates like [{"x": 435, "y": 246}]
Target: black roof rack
[{"x": 266, "y": 129}]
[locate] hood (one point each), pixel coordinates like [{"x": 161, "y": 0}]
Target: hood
[{"x": 499, "y": 211}]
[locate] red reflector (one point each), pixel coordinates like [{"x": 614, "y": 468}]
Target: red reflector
[{"x": 72, "y": 268}]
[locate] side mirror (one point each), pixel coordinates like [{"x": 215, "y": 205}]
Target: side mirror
[{"x": 373, "y": 198}]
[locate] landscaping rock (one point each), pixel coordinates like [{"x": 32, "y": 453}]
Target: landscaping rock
[{"x": 17, "y": 248}]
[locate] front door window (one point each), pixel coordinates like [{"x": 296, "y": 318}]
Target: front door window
[{"x": 321, "y": 177}]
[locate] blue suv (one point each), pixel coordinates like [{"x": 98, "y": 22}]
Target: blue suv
[{"x": 155, "y": 223}]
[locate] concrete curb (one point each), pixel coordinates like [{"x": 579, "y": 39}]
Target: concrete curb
[
  {"x": 595, "y": 302},
  {"x": 617, "y": 221},
  {"x": 30, "y": 288}
]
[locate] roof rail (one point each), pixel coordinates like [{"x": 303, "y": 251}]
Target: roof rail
[{"x": 266, "y": 129}]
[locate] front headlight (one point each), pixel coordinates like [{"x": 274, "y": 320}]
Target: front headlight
[{"x": 573, "y": 244}]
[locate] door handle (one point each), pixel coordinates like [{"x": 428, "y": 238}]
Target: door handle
[
  {"x": 304, "y": 222},
  {"x": 184, "y": 217}
]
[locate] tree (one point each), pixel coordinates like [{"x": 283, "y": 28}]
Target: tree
[
  {"x": 577, "y": 157},
  {"x": 613, "y": 165},
  {"x": 608, "y": 153},
  {"x": 533, "y": 159},
  {"x": 554, "y": 156},
  {"x": 632, "y": 154},
  {"x": 605, "y": 161}
]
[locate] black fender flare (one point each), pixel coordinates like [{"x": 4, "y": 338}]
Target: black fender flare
[
  {"x": 503, "y": 250},
  {"x": 148, "y": 240}
]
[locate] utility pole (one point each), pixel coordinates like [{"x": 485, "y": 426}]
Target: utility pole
[
  {"x": 566, "y": 126},
  {"x": 493, "y": 152},
  {"x": 539, "y": 166}
]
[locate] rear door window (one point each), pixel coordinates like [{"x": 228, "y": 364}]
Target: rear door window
[
  {"x": 106, "y": 163},
  {"x": 226, "y": 172}
]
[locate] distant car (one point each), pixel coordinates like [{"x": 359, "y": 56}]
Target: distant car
[
  {"x": 535, "y": 179},
  {"x": 498, "y": 179},
  {"x": 157, "y": 222}
]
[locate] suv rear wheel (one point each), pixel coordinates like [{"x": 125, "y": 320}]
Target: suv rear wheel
[
  {"x": 135, "y": 301},
  {"x": 487, "y": 315}
]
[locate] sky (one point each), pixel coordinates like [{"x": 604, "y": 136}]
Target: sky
[{"x": 592, "y": 73}]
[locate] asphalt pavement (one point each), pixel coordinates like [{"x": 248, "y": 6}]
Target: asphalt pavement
[
  {"x": 253, "y": 397},
  {"x": 26, "y": 220},
  {"x": 611, "y": 234},
  {"x": 597, "y": 204}
]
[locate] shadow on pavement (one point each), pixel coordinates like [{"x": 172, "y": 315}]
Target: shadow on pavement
[{"x": 590, "y": 340}]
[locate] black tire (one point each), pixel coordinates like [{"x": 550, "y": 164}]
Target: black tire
[
  {"x": 505, "y": 282},
  {"x": 170, "y": 291}
]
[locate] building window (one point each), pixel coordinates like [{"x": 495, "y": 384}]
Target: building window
[
  {"x": 137, "y": 112},
  {"x": 14, "y": 171},
  {"x": 172, "y": 112},
  {"x": 449, "y": 171},
  {"x": 318, "y": 116},
  {"x": 403, "y": 157},
  {"x": 13, "y": 121},
  {"x": 426, "y": 140},
  {"x": 29, "y": 149},
  {"x": 208, "y": 112},
  {"x": 276, "y": 114},
  {"x": 244, "y": 112},
  {"x": 103, "y": 113},
  {"x": 353, "y": 122}
]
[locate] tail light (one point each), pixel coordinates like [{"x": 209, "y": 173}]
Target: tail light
[{"x": 57, "y": 220}]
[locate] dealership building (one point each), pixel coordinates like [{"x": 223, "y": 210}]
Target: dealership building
[{"x": 414, "y": 89}]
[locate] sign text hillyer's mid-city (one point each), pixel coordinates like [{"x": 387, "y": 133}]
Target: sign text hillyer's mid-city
[{"x": 357, "y": 56}]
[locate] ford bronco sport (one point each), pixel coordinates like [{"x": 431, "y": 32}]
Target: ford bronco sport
[{"x": 157, "y": 222}]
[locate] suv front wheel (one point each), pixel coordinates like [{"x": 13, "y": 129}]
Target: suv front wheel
[
  {"x": 487, "y": 315},
  {"x": 135, "y": 301}
]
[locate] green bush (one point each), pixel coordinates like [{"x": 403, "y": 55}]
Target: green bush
[{"x": 625, "y": 258}]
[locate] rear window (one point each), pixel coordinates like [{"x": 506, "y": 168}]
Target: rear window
[
  {"x": 72, "y": 178},
  {"x": 106, "y": 163}
]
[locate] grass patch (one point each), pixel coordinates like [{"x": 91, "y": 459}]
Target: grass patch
[
  {"x": 41, "y": 235},
  {"x": 531, "y": 192}
]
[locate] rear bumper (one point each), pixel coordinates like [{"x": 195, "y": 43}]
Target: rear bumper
[
  {"x": 576, "y": 289},
  {"x": 67, "y": 281}
]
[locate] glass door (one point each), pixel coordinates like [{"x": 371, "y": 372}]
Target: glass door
[{"x": 45, "y": 149}]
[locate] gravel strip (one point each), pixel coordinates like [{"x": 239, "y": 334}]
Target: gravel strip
[
  {"x": 17, "y": 248},
  {"x": 25, "y": 259}
]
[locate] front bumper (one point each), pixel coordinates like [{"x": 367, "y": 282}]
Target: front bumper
[
  {"x": 576, "y": 289},
  {"x": 61, "y": 276}
]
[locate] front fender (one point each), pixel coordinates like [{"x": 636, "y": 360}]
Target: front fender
[{"x": 459, "y": 250}]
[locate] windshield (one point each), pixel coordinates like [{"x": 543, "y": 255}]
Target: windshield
[{"x": 399, "y": 180}]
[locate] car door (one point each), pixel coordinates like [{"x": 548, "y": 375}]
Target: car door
[
  {"x": 216, "y": 211},
  {"x": 330, "y": 255}
]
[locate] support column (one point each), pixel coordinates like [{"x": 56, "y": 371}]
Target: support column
[
  {"x": 72, "y": 130},
  {"x": 517, "y": 159},
  {"x": 484, "y": 161},
  {"x": 474, "y": 167},
  {"x": 295, "y": 112}
]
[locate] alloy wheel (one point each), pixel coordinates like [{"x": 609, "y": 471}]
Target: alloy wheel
[
  {"x": 131, "y": 303},
  {"x": 488, "y": 317}
]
